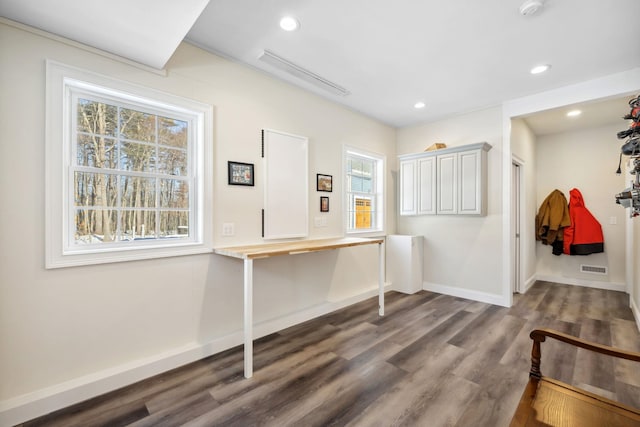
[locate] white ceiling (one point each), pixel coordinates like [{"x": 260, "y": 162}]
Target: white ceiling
[
  {"x": 145, "y": 31},
  {"x": 455, "y": 55},
  {"x": 594, "y": 114}
]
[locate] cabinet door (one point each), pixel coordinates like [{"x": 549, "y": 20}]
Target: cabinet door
[
  {"x": 286, "y": 200},
  {"x": 408, "y": 187},
  {"x": 427, "y": 186},
  {"x": 447, "y": 184},
  {"x": 469, "y": 182}
]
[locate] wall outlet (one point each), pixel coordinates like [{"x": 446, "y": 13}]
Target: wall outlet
[
  {"x": 320, "y": 221},
  {"x": 613, "y": 220},
  {"x": 228, "y": 229}
]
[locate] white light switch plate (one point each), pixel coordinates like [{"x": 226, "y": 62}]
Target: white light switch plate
[
  {"x": 228, "y": 229},
  {"x": 320, "y": 221}
]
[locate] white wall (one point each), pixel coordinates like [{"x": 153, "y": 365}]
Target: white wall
[
  {"x": 462, "y": 254},
  {"x": 523, "y": 146},
  {"x": 68, "y": 334},
  {"x": 585, "y": 160}
]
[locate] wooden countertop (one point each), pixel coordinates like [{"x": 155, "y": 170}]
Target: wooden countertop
[{"x": 266, "y": 250}]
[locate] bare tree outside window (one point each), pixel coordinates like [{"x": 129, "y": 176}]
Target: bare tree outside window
[{"x": 131, "y": 175}]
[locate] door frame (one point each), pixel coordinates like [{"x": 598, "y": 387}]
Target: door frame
[{"x": 517, "y": 219}]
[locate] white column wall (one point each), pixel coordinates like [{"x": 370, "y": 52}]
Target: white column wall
[
  {"x": 523, "y": 146},
  {"x": 462, "y": 254}
]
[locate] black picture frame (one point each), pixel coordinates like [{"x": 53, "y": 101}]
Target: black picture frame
[
  {"x": 324, "y": 204},
  {"x": 324, "y": 182},
  {"x": 240, "y": 173}
]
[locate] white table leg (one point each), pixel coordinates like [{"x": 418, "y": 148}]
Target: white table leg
[
  {"x": 381, "y": 269},
  {"x": 248, "y": 318}
]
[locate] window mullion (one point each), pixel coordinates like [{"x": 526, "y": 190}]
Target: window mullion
[
  {"x": 147, "y": 179},
  {"x": 157, "y": 180},
  {"x": 363, "y": 205}
]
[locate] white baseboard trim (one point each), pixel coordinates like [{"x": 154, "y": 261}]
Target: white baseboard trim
[
  {"x": 611, "y": 286},
  {"x": 636, "y": 313},
  {"x": 466, "y": 293},
  {"x": 41, "y": 402},
  {"x": 529, "y": 283}
]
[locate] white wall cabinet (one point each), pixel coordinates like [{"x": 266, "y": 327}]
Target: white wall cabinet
[
  {"x": 447, "y": 184},
  {"x": 426, "y": 185},
  {"x": 472, "y": 182},
  {"x": 450, "y": 181},
  {"x": 418, "y": 186},
  {"x": 408, "y": 187}
]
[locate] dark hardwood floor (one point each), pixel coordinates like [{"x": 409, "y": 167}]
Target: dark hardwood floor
[{"x": 433, "y": 360}]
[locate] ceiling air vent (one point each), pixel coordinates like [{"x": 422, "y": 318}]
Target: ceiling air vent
[
  {"x": 593, "y": 269},
  {"x": 299, "y": 72}
]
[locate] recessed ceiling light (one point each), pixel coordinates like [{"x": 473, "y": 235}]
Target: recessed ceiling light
[
  {"x": 540, "y": 69},
  {"x": 289, "y": 23},
  {"x": 574, "y": 113},
  {"x": 419, "y": 105}
]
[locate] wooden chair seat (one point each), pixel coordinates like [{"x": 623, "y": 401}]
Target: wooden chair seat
[{"x": 549, "y": 402}]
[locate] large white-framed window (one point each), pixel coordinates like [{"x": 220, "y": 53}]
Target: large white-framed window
[
  {"x": 364, "y": 191},
  {"x": 129, "y": 171}
]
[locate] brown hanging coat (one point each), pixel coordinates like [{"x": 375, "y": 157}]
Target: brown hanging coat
[{"x": 552, "y": 217}]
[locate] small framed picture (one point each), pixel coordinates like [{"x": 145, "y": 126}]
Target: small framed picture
[
  {"x": 324, "y": 182},
  {"x": 240, "y": 173},
  {"x": 324, "y": 204}
]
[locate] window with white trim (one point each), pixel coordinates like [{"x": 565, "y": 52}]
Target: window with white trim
[
  {"x": 128, "y": 168},
  {"x": 364, "y": 191}
]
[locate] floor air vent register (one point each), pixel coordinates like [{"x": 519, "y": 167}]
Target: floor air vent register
[{"x": 593, "y": 269}]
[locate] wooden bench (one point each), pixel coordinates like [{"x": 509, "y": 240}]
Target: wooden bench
[{"x": 549, "y": 402}]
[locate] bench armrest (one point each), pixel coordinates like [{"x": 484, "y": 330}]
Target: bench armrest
[{"x": 540, "y": 335}]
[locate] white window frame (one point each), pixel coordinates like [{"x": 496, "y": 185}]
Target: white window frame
[
  {"x": 64, "y": 85},
  {"x": 379, "y": 193}
]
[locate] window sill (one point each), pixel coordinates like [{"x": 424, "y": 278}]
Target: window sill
[
  {"x": 368, "y": 233},
  {"x": 77, "y": 260}
]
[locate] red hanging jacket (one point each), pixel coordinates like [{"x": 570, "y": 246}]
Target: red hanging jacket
[{"x": 584, "y": 235}]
